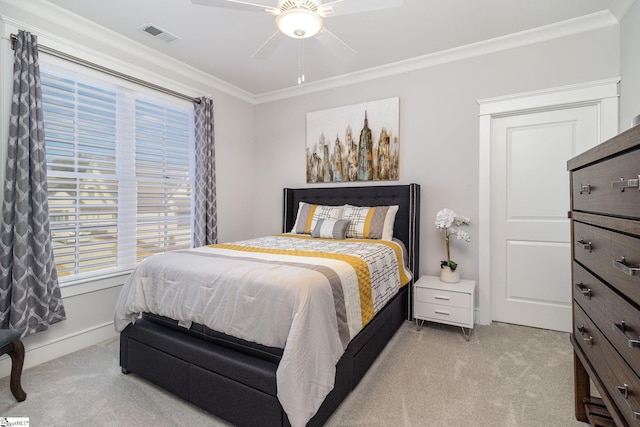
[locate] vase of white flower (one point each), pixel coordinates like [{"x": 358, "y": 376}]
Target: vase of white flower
[{"x": 449, "y": 222}]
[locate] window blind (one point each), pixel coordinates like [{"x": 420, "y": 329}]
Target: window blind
[
  {"x": 162, "y": 154},
  {"x": 118, "y": 173}
]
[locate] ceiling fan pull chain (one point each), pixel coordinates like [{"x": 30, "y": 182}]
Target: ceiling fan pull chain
[
  {"x": 300, "y": 61},
  {"x": 302, "y": 49}
]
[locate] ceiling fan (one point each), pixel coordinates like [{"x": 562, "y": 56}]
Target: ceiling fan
[{"x": 301, "y": 19}]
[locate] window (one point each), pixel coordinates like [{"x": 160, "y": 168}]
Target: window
[{"x": 118, "y": 172}]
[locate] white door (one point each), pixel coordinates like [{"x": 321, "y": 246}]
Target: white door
[{"x": 530, "y": 233}]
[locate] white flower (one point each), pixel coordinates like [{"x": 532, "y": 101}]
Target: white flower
[
  {"x": 461, "y": 235},
  {"x": 447, "y": 218}
]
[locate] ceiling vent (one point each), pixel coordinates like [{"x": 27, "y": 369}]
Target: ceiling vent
[{"x": 159, "y": 33}]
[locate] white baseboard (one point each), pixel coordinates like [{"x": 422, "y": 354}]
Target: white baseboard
[{"x": 59, "y": 347}]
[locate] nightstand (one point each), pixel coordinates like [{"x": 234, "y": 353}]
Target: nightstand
[{"x": 448, "y": 303}]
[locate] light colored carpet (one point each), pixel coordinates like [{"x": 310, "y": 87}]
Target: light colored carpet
[{"x": 505, "y": 375}]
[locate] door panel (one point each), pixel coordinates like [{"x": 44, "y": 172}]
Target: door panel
[
  {"x": 535, "y": 162},
  {"x": 530, "y": 242}
]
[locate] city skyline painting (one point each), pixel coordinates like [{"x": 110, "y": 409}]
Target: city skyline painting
[{"x": 357, "y": 142}]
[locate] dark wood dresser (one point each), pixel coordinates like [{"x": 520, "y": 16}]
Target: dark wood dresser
[{"x": 605, "y": 229}]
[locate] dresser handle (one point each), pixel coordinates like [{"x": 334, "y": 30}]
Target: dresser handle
[
  {"x": 581, "y": 329},
  {"x": 583, "y": 290},
  {"x": 629, "y": 183},
  {"x": 585, "y": 189},
  {"x": 589, "y": 341},
  {"x": 446, "y": 313},
  {"x": 620, "y": 264},
  {"x": 585, "y": 245},
  {"x": 623, "y": 390},
  {"x": 621, "y": 328},
  {"x": 442, "y": 298}
]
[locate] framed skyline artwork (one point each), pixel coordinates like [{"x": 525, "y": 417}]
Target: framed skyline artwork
[{"x": 357, "y": 142}]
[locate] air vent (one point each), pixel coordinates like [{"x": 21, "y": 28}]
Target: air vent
[{"x": 159, "y": 33}]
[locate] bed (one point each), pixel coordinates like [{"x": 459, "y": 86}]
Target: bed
[{"x": 240, "y": 380}]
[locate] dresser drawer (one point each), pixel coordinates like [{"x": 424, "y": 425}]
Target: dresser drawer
[
  {"x": 622, "y": 384},
  {"x": 443, "y": 297},
  {"x": 609, "y": 312},
  {"x": 600, "y": 250},
  {"x": 598, "y": 188},
  {"x": 443, "y": 314}
]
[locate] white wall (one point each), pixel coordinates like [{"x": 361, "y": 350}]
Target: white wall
[
  {"x": 90, "y": 305},
  {"x": 438, "y": 128},
  {"x": 630, "y": 66}
]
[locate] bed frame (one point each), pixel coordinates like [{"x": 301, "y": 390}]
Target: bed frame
[{"x": 236, "y": 380}]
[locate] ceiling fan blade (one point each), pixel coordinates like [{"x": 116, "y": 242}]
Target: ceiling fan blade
[
  {"x": 334, "y": 44},
  {"x": 344, "y": 7},
  {"x": 268, "y": 47},
  {"x": 238, "y": 5}
]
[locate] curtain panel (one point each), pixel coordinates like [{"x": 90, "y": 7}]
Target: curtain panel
[
  {"x": 30, "y": 299},
  {"x": 205, "y": 227}
]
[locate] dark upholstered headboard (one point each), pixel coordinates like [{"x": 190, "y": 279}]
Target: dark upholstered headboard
[{"x": 407, "y": 197}]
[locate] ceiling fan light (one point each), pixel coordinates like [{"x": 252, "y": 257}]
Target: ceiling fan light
[{"x": 299, "y": 23}]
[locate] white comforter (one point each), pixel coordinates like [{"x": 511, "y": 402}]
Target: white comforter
[{"x": 307, "y": 296}]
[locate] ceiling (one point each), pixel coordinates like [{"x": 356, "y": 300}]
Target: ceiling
[{"x": 220, "y": 41}]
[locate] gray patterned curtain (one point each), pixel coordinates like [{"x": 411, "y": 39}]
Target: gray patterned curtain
[
  {"x": 30, "y": 299},
  {"x": 205, "y": 223}
]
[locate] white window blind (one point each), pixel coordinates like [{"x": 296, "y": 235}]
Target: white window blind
[
  {"x": 118, "y": 172},
  {"x": 162, "y": 158}
]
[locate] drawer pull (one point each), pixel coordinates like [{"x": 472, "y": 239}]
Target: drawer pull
[
  {"x": 585, "y": 189},
  {"x": 446, "y": 313},
  {"x": 620, "y": 264},
  {"x": 621, "y": 328},
  {"x": 585, "y": 245},
  {"x": 623, "y": 390},
  {"x": 583, "y": 290},
  {"x": 629, "y": 183},
  {"x": 442, "y": 298},
  {"x": 589, "y": 341},
  {"x": 581, "y": 329}
]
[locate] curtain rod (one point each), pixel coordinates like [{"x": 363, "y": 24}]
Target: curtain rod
[{"x": 106, "y": 70}]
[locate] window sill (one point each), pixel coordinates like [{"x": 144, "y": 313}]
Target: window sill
[{"x": 93, "y": 284}]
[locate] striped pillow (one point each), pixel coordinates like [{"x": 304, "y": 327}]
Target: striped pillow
[
  {"x": 331, "y": 229},
  {"x": 308, "y": 216},
  {"x": 370, "y": 222}
]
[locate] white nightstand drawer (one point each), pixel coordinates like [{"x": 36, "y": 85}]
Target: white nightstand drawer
[
  {"x": 443, "y": 314},
  {"x": 443, "y": 297}
]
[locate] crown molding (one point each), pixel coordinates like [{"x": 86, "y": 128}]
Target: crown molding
[
  {"x": 145, "y": 58},
  {"x": 619, "y": 8},
  {"x": 566, "y": 28}
]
